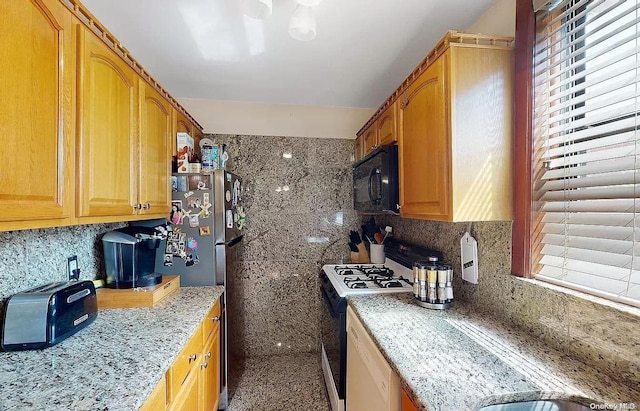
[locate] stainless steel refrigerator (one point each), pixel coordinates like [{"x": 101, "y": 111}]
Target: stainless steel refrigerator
[{"x": 207, "y": 218}]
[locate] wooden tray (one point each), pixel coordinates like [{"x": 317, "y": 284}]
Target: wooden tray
[{"x": 140, "y": 297}]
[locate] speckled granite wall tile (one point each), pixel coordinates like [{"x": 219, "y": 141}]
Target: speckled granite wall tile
[
  {"x": 289, "y": 234},
  {"x": 30, "y": 258},
  {"x": 278, "y": 306},
  {"x": 605, "y": 337},
  {"x": 322, "y": 153}
]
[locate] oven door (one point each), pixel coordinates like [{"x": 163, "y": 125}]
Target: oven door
[{"x": 334, "y": 348}]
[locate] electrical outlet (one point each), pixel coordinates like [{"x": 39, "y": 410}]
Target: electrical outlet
[{"x": 72, "y": 268}]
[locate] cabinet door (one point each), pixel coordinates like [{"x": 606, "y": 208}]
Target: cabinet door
[
  {"x": 357, "y": 150},
  {"x": 386, "y": 125},
  {"x": 407, "y": 404},
  {"x": 107, "y": 99},
  {"x": 187, "y": 398},
  {"x": 157, "y": 400},
  {"x": 181, "y": 124},
  {"x": 37, "y": 64},
  {"x": 197, "y": 136},
  {"x": 211, "y": 372},
  {"x": 425, "y": 160},
  {"x": 369, "y": 139},
  {"x": 155, "y": 161}
]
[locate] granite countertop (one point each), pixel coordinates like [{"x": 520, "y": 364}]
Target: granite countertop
[
  {"x": 458, "y": 359},
  {"x": 113, "y": 364}
]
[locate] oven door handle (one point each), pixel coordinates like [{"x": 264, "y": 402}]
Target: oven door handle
[{"x": 328, "y": 303}]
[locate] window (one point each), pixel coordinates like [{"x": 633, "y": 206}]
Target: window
[{"x": 586, "y": 149}]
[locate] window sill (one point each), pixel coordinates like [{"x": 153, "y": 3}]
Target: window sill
[{"x": 620, "y": 307}]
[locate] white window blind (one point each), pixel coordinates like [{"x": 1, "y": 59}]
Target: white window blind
[{"x": 586, "y": 169}]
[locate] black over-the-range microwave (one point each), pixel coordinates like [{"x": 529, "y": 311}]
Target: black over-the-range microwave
[{"x": 375, "y": 182}]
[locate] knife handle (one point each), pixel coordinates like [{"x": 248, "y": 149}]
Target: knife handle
[{"x": 362, "y": 252}]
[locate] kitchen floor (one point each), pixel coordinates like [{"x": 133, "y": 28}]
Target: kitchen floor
[{"x": 292, "y": 382}]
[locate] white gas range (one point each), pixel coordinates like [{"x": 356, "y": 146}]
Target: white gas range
[
  {"x": 337, "y": 282},
  {"x": 351, "y": 279}
]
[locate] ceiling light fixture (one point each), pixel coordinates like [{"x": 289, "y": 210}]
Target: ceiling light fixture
[
  {"x": 257, "y": 9},
  {"x": 302, "y": 25}
]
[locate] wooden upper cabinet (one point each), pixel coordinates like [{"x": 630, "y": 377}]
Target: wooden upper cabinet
[
  {"x": 369, "y": 139},
  {"x": 37, "y": 63},
  {"x": 456, "y": 137},
  {"x": 155, "y": 160},
  {"x": 424, "y": 155},
  {"x": 107, "y": 130},
  {"x": 181, "y": 124},
  {"x": 197, "y": 136},
  {"x": 386, "y": 126},
  {"x": 357, "y": 149}
]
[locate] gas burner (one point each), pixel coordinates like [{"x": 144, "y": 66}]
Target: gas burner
[
  {"x": 378, "y": 271},
  {"x": 390, "y": 284},
  {"x": 383, "y": 282},
  {"x": 355, "y": 282}
]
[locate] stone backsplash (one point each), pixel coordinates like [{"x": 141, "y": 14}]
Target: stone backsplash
[
  {"x": 590, "y": 329},
  {"x": 29, "y": 258},
  {"x": 298, "y": 199}
]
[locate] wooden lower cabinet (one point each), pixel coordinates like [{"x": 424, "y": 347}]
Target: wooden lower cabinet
[
  {"x": 407, "y": 404},
  {"x": 210, "y": 373},
  {"x": 158, "y": 398},
  {"x": 192, "y": 383}
]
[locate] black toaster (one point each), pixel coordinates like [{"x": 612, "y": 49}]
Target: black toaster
[{"x": 45, "y": 315}]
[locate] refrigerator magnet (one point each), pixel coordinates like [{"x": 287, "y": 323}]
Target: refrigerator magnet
[
  {"x": 192, "y": 244},
  {"x": 176, "y": 212},
  {"x": 229, "y": 219},
  {"x": 189, "y": 260},
  {"x": 205, "y": 230},
  {"x": 227, "y": 195},
  {"x": 188, "y": 194},
  {"x": 193, "y": 221},
  {"x": 205, "y": 198},
  {"x": 202, "y": 185},
  {"x": 182, "y": 183},
  {"x": 242, "y": 217},
  {"x": 174, "y": 183},
  {"x": 195, "y": 202},
  {"x": 168, "y": 260},
  {"x": 204, "y": 211}
]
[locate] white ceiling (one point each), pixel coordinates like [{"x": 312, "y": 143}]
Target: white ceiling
[{"x": 208, "y": 49}]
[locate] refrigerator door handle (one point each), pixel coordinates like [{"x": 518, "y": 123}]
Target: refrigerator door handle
[{"x": 234, "y": 241}]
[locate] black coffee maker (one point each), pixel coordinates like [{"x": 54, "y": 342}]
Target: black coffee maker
[{"x": 129, "y": 257}]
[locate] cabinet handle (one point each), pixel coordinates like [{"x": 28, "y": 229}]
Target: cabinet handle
[
  {"x": 208, "y": 355},
  {"x": 204, "y": 365},
  {"x": 146, "y": 206},
  {"x": 137, "y": 206},
  {"x": 215, "y": 319},
  {"x": 192, "y": 357}
]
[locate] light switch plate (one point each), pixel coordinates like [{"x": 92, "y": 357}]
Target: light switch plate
[{"x": 469, "y": 258}]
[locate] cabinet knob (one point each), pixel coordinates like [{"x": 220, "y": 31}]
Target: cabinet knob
[
  {"x": 137, "y": 206},
  {"x": 215, "y": 319},
  {"x": 208, "y": 355},
  {"x": 146, "y": 206},
  {"x": 204, "y": 365},
  {"x": 192, "y": 357}
]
